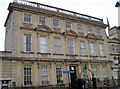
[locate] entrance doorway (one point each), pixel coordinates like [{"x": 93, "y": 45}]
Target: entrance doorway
[{"x": 73, "y": 76}]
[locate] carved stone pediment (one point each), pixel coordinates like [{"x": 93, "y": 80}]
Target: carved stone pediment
[
  {"x": 91, "y": 36},
  {"x": 43, "y": 28},
  {"x": 99, "y": 38},
  {"x": 80, "y": 34},
  {"x": 70, "y": 33}
]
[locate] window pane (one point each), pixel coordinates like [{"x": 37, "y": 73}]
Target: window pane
[
  {"x": 68, "y": 25},
  {"x": 42, "y": 20},
  {"x": 79, "y": 27},
  {"x": 57, "y": 45},
  {"x": 82, "y": 48},
  {"x": 92, "y": 49},
  {"x": 105, "y": 75},
  {"x": 27, "y": 18},
  {"x": 55, "y": 23},
  {"x": 101, "y": 48},
  {"x": 98, "y": 32},
  {"x": 27, "y": 75},
  {"x": 27, "y": 42},
  {"x": 43, "y": 44},
  {"x": 90, "y": 30},
  {"x": 70, "y": 47},
  {"x": 44, "y": 75},
  {"x": 59, "y": 75}
]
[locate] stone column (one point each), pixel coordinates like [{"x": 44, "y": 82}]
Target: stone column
[
  {"x": 90, "y": 72},
  {"x": 36, "y": 76},
  {"x": 52, "y": 75},
  {"x": 100, "y": 71},
  {"x": 109, "y": 71},
  {"x": 19, "y": 76},
  {"x": 79, "y": 70}
]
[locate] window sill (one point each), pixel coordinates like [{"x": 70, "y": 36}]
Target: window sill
[
  {"x": 93, "y": 56},
  {"x": 27, "y": 52},
  {"x": 71, "y": 55},
  {"x": 44, "y": 53},
  {"x": 102, "y": 56},
  {"x": 84, "y": 55},
  {"x": 58, "y": 54}
]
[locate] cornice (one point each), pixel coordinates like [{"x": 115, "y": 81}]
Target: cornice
[{"x": 35, "y": 10}]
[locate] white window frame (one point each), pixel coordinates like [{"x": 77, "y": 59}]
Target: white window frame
[
  {"x": 27, "y": 74},
  {"x": 57, "y": 45},
  {"x": 105, "y": 71},
  {"x": 71, "y": 48},
  {"x": 41, "y": 22},
  {"x": 25, "y": 44},
  {"x": 92, "y": 49},
  {"x": 82, "y": 48},
  {"x": 56, "y": 23},
  {"x": 101, "y": 49},
  {"x": 68, "y": 25},
  {"x": 98, "y": 31},
  {"x": 89, "y": 29},
  {"x": 44, "y": 70},
  {"x": 80, "y": 28},
  {"x": 27, "y": 18},
  {"x": 43, "y": 44},
  {"x": 59, "y": 76},
  {"x": 95, "y": 71}
]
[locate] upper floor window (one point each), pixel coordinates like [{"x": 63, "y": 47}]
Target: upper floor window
[
  {"x": 68, "y": 25},
  {"x": 43, "y": 44},
  {"x": 70, "y": 47},
  {"x": 90, "y": 30},
  {"x": 27, "y": 18},
  {"x": 55, "y": 23},
  {"x": 42, "y": 20},
  {"x": 27, "y": 42},
  {"x": 57, "y": 45},
  {"x": 101, "y": 48},
  {"x": 98, "y": 32},
  {"x": 82, "y": 48},
  {"x": 92, "y": 49},
  {"x": 79, "y": 27},
  {"x": 115, "y": 48}
]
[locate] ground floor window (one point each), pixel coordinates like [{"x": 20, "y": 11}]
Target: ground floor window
[
  {"x": 105, "y": 72},
  {"x": 59, "y": 75},
  {"x": 27, "y": 75},
  {"x": 44, "y": 75},
  {"x": 85, "y": 72},
  {"x": 95, "y": 72}
]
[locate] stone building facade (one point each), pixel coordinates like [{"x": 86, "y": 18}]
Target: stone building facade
[
  {"x": 46, "y": 45},
  {"x": 114, "y": 45}
]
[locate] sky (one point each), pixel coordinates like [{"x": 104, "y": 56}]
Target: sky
[{"x": 96, "y": 8}]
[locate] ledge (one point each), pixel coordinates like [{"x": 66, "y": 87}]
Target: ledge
[
  {"x": 102, "y": 56},
  {"x": 27, "y": 52},
  {"x": 92, "y": 56},
  {"x": 58, "y": 54},
  {"x": 84, "y": 55},
  {"x": 44, "y": 53},
  {"x": 71, "y": 55}
]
